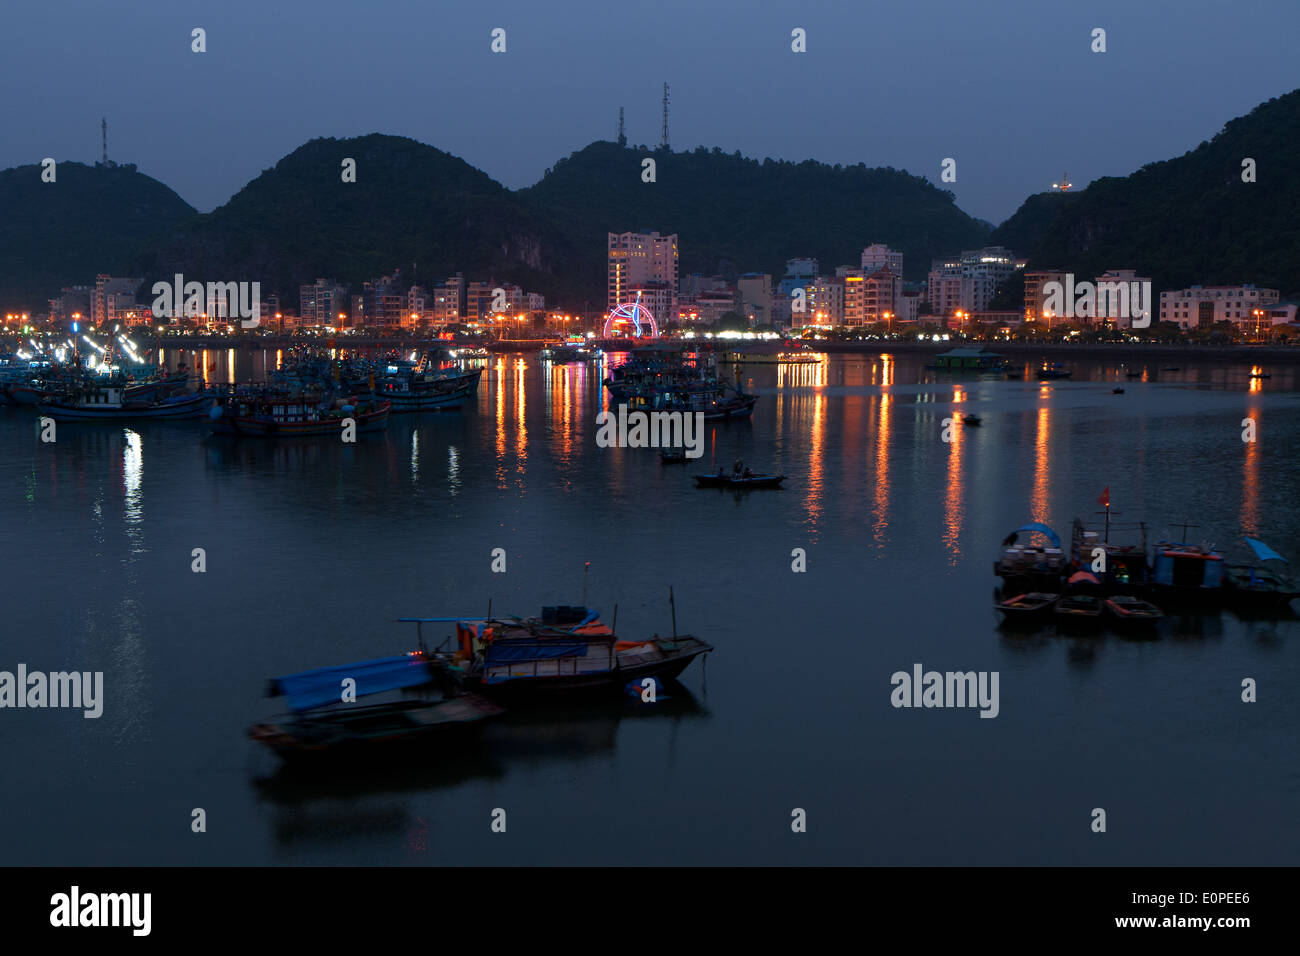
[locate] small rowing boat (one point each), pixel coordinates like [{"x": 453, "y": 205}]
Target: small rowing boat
[
  {"x": 739, "y": 482},
  {"x": 1028, "y": 608},
  {"x": 1133, "y": 612}
]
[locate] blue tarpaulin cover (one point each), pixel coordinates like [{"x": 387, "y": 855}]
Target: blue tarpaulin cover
[
  {"x": 325, "y": 686},
  {"x": 1263, "y": 551},
  {"x": 1042, "y": 529}
]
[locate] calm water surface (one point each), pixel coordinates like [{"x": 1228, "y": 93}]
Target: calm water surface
[{"x": 315, "y": 548}]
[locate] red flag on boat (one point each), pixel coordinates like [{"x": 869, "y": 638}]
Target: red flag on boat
[{"x": 1105, "y": 497}]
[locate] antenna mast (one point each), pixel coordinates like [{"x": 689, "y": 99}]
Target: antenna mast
[
  {"x": 622, "y": 136},
  {"x": 663, "y": 136},
  {"x": 103, "y": 130}
]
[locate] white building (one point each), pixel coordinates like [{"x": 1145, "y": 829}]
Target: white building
[
  {"x": 1202, "y": 306},
  {"x": 879, "y": 256}
]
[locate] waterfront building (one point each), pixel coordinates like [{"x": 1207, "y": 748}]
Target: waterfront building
[{"x": 1201, "y": 306}]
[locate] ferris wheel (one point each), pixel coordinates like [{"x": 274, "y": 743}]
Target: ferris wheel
[{"x": 631, "y": 315}]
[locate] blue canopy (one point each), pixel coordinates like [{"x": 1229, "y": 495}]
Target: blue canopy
[
  {"x": 1263, "y": 551},
  {"x": 1042, "y": 529},
  {"x": 325, "y": 685}
]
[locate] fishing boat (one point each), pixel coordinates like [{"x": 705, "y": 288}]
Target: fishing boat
[
  {"x": 421, "y": 392},
  {"x": 567, "y": 651},
  {"x": 673, "y": 456},
  {"x": 271, "y": 414},
  {"x": 111, "y": 404},
  {"x": 1078, "y": 610},
  {"x": 1172, "y": 368},
  {"x": 1031, "y": 608},
  {"x": 974, "y": 421},
  {"x": 1131, "y": 612},
  {"x": 565, "y": 352},
  {"x": 1039, "y": 564},
  {"x": 431, "y": 709},
  {"x": 1116, "y": 552},
  {"x": 738, "y": 482},
  {"x": 1183, "y": 573},
  {"x": 789, "y": 355},
  {"x": 1259, "y": 589},
  {"x": 1117, "y": 391},
  {"x": 1053, "y": 370}
]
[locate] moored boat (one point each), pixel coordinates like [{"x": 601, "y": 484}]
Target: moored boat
[
  {"x": 1034, "y": 565},
  {"x": 287, "y": 415},
  {"x": 1031, "y": 608},
  {"x": 1127, "y": 611},
  {"x": 1259, "y": 589},
  {"x": 1078, "y": 610},
  {"x": 110, "y": 404},
  {"x": 1183, "y": 573},
  {"x": 323, "y": 724},
  {"x": 567, "y": 651},
  {"x": 1053, "y": 370}
]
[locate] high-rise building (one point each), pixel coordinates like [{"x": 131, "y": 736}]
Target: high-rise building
[
  {"x": 825, "y": 305},
  {"x": 644, "y": 262},
  {"x": 1036, "y": 309},
  {"x": 754, "y": 289},
  {"x": 967, "y": 283},
  {"x": 882, "y": 292},
  {"x": 321, "y": 302},
  {"x": 110, "y": 293},
  {"x": 854, "y": 295}
]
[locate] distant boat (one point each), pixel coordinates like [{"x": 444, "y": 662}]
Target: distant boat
[
  {"x": 973, "y": 420},
  {"x": 1016, "y": 375},
  {"x": 1172, "y": 368},
  {"x": 739, "y": 482},
  {"x": 673, "y": 456},
  {"x": 968, "y": 360},
  {"x": 422, "y": 391},
  {"x": 1053, "y": 370},
  {"x": 1261, "y": 375},
  {"x": 1132, "y": 374},
  {"x": 1028, "y": 608},
  {"x": 1261, "y": 589},
  {"x": 1117, "y": 391}
]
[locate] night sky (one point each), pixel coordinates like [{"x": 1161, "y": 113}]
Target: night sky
[{"x": 1010, "y": 89}]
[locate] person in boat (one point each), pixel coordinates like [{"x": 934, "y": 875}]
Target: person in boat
[
  {"x": 748, "y": 473},
  {"x": 1010, "y": 539},
  {"x": 737, "y": 468}
]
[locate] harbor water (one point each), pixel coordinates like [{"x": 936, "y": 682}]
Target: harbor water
[{"x": 312, "y": 549}]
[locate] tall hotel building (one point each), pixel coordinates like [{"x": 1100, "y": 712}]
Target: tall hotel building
[{"x": 646, "y": 263}]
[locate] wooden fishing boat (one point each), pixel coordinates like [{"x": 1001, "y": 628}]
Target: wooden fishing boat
[
  {"x": 1261, "y": 590},
  {"x": 1127, "y": 611},
  {"x": 739, "y": 482},
  {"x": 1078, "y": 610},
  {"x": 110, "y": 404},
  {"x": 351, "y": 729},
  {"x": 1039, "y": 564},
  {"x": 429, "y": 708},
  {"x": 567, "y": 651},
  {"x": 1030, "y": 608},
  {"x": 1184, "y": 574},
  {"x": 271, "y": 415},
  {"x": 414, "y": 393}
]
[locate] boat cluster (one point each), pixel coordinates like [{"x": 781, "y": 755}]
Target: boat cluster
[
  {"x": 1104, "y": 580},
  {"x": 672, "y": 379},
  {"x": 441, "y": 695},
  {"x": 308, "y": 396}
]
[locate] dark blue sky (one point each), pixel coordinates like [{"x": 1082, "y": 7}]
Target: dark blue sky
[{"x": 1009, "y": 88}]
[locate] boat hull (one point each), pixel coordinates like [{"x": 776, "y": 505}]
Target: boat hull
[
  {"x": 677, "y": 656},
  {"x": 740, "y": 484},
  {"x": 246, "y": 426},
  {"x": 189, "y": 407}
]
